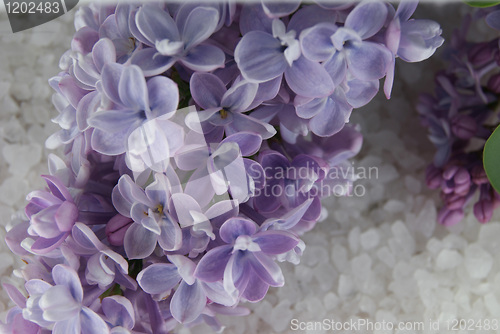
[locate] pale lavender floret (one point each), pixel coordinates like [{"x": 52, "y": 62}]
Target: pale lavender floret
[
  {"x": 52, "y": 215},
  {"x": 118, "y": 313},
  {"x": 104, "y": 266},
  {"x": 347, "y": 48},
  {"x": 181, "y": 40},
  {"x": 15, "y": 322},
  {"x": 134, "y": 102},
  {"x": 245, "y": 264},
  {"x": 263, "y": 55},
  {"x": 152, "y": 221},
  {"x": 66, "y": 100},
  {"x": 411, "y": 40},
  {"x": 220, "y": 168},
  {"x": 224, "y": 108},
  {"x": 190, "y": 297},
  {"x": 61, "y": 304}
]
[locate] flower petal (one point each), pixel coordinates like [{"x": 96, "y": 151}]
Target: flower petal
[
  {"x": 158, "y": 278},
  {"x": 212, "y": 265},
  {"x": 367, "y": 18},
  {"x": 132, "y": 89},
  {"x": 139, "y": 242},
  {"x": 267, "y": 269},
  {"x": 163, "y": 96},
  {"x": 188, "y": 302},
  {"x": 275, "y": 242},
  {"x": 151, "y": 62},
  {"x": 199, "y": 26},
  {"x": 204, "y": 58},
  {"x": 308, "y": 78},
  {"x": 235, "y": 227},
  {"x": 207, "y": 90},
  {"x": 367, "y": 60},
  {"x": 259, "y": 57},
  {"x": 239, "y": 96},
  {"x": 92, "y": 323},
  {"x": 316, "y": 42},
  {"x": 248, "y": 142}
]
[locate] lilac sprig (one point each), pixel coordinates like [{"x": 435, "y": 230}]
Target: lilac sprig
[
  {"x": 198, "y": 141},
  {"x": 463, "y": 112}
]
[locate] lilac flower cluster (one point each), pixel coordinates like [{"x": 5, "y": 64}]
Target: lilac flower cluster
[
  {"x": 460, "y": 117},
  {"x": 198, "y": 140}
]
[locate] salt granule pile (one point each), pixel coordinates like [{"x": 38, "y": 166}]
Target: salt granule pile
[{"x": 380, "y": 256}]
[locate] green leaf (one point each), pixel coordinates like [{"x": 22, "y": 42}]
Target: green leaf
[
  {"x": 481, "y": 4},
  {"x": 491, "y": 159}
]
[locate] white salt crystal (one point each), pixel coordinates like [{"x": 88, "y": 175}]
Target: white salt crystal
[
  {"x": 492, "y": 305},
  {"x": 353, "y": 239},
  {"x": 12, "y": 190},
  {"x": 448, "y": 259},
  {"x": 282, "y": 316},
  {"x": 22, "y": 157},
  {"x": 387, "y": 173},
  {"x": 4, "y": 89},
  {"x": 454, "y": 241},
  {"x": 369, "y": 239},
  {"x": 394, "y": 205},
  {"x": 9, "y": 105},
  {"x": 434, "y": 245},
  {"x": 331, "y": 301},
  {"x": 346, "y": 286},
  {"x": 361, "y": 266},
  {"x": 20, "y": 91},
  {"x": 339, "y": 257},
  {"x": 314, "y": 254},
  {"x": 488, "y": 237},
  {"x": 326, "y": 275},
  {"x": 386, "y": 256},
  {"x": 403, "y": 237},
  {"x": 426, "y": 219},
  {"x": 303, "y": 273},
  {"x": 413, "y": 185},
  {"x": 12, "y": 131},
  {"x": 367, "y": 305},
  {"x": 462, "y": 299},
  {"x": 478, "y": 262}
]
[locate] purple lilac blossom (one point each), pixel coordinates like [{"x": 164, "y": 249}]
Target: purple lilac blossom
[{"x": 176, "y": 120}]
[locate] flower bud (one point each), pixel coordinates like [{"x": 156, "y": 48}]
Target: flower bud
[
  {"x": 494, "y": 83},
  {"x": 479, "y": 175},
  {"x": 464, "y": 127},
  {"x": 454, "y": 201},
  {"x": 116, "y": 228},
  {"x": 433, "y": 177},
  {"x": 483, "y": 210},
  {"x": 481, "y": 53},
  {"x": 448, "y": 217}
]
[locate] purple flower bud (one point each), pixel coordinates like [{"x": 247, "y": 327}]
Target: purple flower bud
[
  {"x": 494, "y": 83},
  {"x": 433, "y": 177},
  {"x": 463, "y": 126},
  {"x": 483, "y": 210},
  {"x": 116, "y": 228},
  {"x": 457, "y": 180},
  {"x": 482, "y": 53},
  {"x": 478, "y": 175},
  {"x": 448, "y": 217},
  {"x": 454, "y": 201}
]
